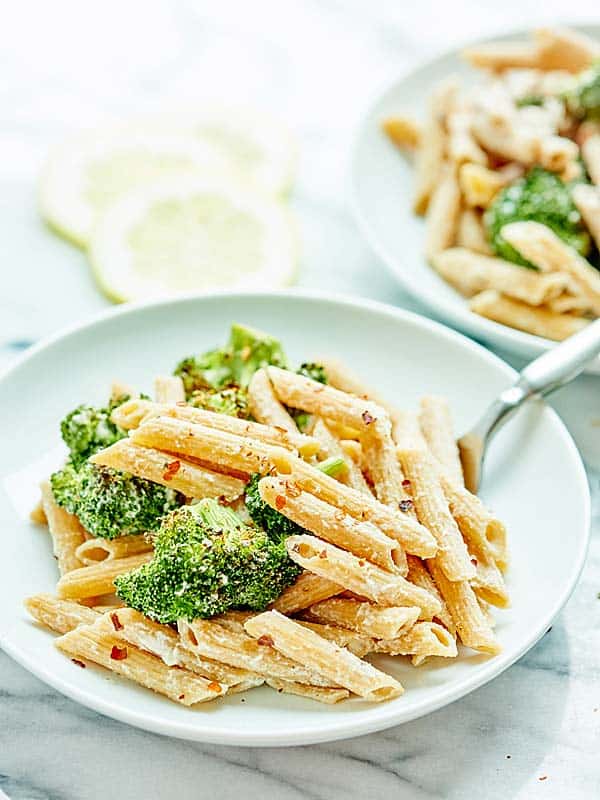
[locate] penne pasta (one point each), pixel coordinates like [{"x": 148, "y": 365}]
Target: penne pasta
[
  {"x": 479, "y": 185},
  {"x": 169, "y": 389},
  {"x": 354, "y": 642},
  {"x": 419, "y": 575},
  {"x": 97, "y": 579},
  {"x": 462, "y": 147},
  {"x": 379, "y": 622},
  {"x": 432, "y": 146},
  {"x": 590, "y": 150},
  {"x": 403, "y": 131},
  {"x": 500, "y": 56},
  {"x": 563, "y": 48},
  {"x": 470, "y": 233},
  {"x": 443, "y": 213},
  {"x": 330, "y": 523},
  {"x": 359, "y": 576},
  {"x": 322, "y": 694},
  {"x": 65, "y": 529},
  {"x": 538, "y": 321},
  {"x": 94, "y": 550},
  {"x": 37, "y": 514},
  {"x": 423, "y": 640},
  {"x": 307, "y": 590},
  {"x": 587, "y": 200},
  {"x": 178, "y": 474},
  {"x": 59, "y": 615},
  {"x": 265, "y": 406},
  {"x": 338, "y": 665},
  {"x": 437, "y": 428},
  {"x": 331, "y": 447}
]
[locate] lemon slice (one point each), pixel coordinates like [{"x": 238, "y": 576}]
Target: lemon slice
[
  {"x": 85, "y": 175},
  {"x": 258, "y": 146},
  {"x": 192, "y": 233}
]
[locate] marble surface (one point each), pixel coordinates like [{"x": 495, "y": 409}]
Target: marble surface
[{"x": 533, "y": 732}]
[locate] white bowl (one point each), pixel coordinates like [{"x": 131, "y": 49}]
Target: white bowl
[
  {"x": 382, "y": 190},
  {"x": 534, "y": 480}
]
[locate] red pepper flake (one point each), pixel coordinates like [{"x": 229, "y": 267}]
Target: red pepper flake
[
  {"x": 265, "y": 639},
  {"x": 116, "y": 621},
  {"x": 279, "y": 502},
  {"x": 214, "y": 686},
  {"x": 405, "y": 505},
  {"x": 192, "y": 636},
  {"x": 367, "y": 418},
  {"x": 171, "y": 470},
  {"x": 543, "y": 778},
  {"x": 78, "y": 662},
  {"x": 406, "y": 483},
  {"x": 361, "y": 563},
  {"x": 474, "y": 562},
  {"x": 280, "y": 429},
  {"x": 118, "y": 653},
  {"x": 181, "y": 696},
  {"x": 323, "y": 554}
]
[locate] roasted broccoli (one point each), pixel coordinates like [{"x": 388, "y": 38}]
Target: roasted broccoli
[
  {"x": 207, "y": 561},
  {"x": 541, "y": 196},
  {"x": 582, "y": 98},
  {"x": 86, "y": 429},
  {"x": 231, "y": 400},
  {"x": 109, "y": 503},
  {"x": 233, "y": 365},
  {"x": 276, "y": 526}
]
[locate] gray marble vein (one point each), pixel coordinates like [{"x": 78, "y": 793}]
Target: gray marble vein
[{"x": 534, "y": 732}]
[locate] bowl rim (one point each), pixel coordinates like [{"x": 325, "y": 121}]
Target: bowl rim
[{"x": 342, "y": 727}]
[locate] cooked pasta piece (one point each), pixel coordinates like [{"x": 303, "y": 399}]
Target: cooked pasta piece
[
  {"x": 354, "y": 642},
  {"x": 499, "y": 56},
  {"x": 37, "y": 514},
  {"x": 479, "y": 185},
  {"x": 169, "y": 389},
  {"x": 109, "y": 651},
  {"x": 442, "y": 215},
  {"x": 131, "y": 414},
  {"x": 419, "y": 575},
  {"x": 470, "y": 232},
  {"x": 379, "y": 453},
  {"x": 563, "y": 48},
  {"x": 539, "y": 321},
  {"x": 471, "y": 624},
  {"x": 436, "y": 425},
  {"x": 338, "y": 665},
  {"x": 97, "y": 579},
  {"x": 590, "y": 150},
  {"x": 471, "y": 273},
  {"x": 587, "y": 200},
  {"x": 331, "y": 446},
  {"x": 59, "y": 615},
  {"x": 307, "y": 590},
  {"x": 380, "y": 622},
  {"x": 265, "y": 406},
  {"x": 94, "y": 550},
  {"x": 330, "y": 523},
  {"x": 65, "y": 529},
  {"x": 462, "y": 147},
  {"x": 322, "y": 694},
  {"x": 430, "y": 154},
  {"x": 423, "y": 640},
  {"x": 561, "y": 155},
  {"x": 432, "y": 511},
  {"x": 404, "y": 132},
  {"x": 174, "y": 473},
  {"x": 209, "y": 639},
  {"x": 360, "y": 576}
]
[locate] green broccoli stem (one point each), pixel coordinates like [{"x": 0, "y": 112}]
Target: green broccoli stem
[{"x": 333, "y": 466}]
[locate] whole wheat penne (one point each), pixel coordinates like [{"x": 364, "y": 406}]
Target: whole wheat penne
[
  {"x": 131, "y": 414},
  {"x": 65, "y": 529},
  {"x": 590, "y": 150},
  {"x": 430, "y": 154},
  {"x": 587, "y": 200},
  {"x": 422, "y": 640},
  {"x": 325, "y": 401},
  {"x": 506, "y": 138},
  {"x": 330, "y": 523},
  {"x": 331, "y": 446},
  {"x": 479, "y": 185},
  {"x": 413, "y": 536},
  {"x": 471, "y": 624},
  {"x": 237, "y": 679},
  {"x": 442, "y": 214},
  {"x": 470, "y": 232},
  {"x": 471, "y": 273},
  {"x": 499, "y": 56},
  {"x": 265, "y": 406},
  {"x": 563, "y": 48},
  {"x": 174, "y": 473},
  {"x": 535, "y": 320},
  {"x": 211, "y": 640},
  {"x": 37, "y": 514},
  {"x": 322, "y": 694},
  {"x": 341, "y": 667},
  {"x": 574, "y": 304},
  {"x": 462, "y": 147},
  {"x": 379, "y": 622},
  {"x": 97, "y": 579},
  {"x": 360, "y": 576},
  {"x": 379, "y": 454},
  {"x": 308, "y": 589},
  {"x": 94, "y": 550},
  {"x": 213, "y": 446},
  {"x": 419, "y": 575},
  {"x": 559, "y": 154},
  {"x": 436, "y": 425},
  {"x": 404, "y": 132},
  {"x": 108, "y": 650},
  {"x": 432, "y": 511},
  {"x": 540, "y": 245},
  {"x": 59, "y": 615},
  {"x": 169, "y": 389},
  {"x": 352, "y": 641}
]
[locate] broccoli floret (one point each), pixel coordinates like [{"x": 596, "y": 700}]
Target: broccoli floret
[
  {"x": 231, "y": 400},
  {"x": 207, "y": 561},
  {"x": 583, "y": 97},
  {"x": 233, "y": 365},
  {"x": 109, "y": 503},
  {"x": 541, "y": 196},
  {"x": 277, "y": 527},
  {"x": 86, "y": 429},
  {"x": 316, "y": 372}
]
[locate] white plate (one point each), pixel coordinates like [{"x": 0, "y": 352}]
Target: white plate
[
  {"x": 535, "y": 482},
  {"x": 382, "y": 189}
]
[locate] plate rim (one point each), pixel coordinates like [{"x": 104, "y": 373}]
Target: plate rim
[
  {"x": 509, "y": 339},
  {"x": 343, "y": 727}
]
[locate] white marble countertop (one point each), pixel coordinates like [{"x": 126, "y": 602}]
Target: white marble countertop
[{"x": 535, "y": 730}]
